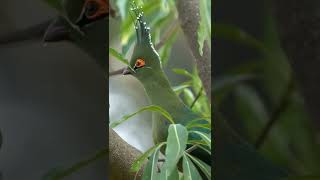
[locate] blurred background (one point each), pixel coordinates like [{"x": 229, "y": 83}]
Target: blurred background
[
  {"x": 253, "y": 86},
  {"x": 52, "y": 102}
]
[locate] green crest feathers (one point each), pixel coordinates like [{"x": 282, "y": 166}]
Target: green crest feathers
[{"x": 142, "y": 30}]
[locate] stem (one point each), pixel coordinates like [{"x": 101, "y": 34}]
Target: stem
[
  {"x": 197, "y": 97},
  {"x": 116, "y": 72},
  {"x": 284, "y": 102}
]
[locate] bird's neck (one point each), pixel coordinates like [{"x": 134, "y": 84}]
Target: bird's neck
[{"x": 161, "y": 94}]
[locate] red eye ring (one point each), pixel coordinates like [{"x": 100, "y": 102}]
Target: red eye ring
[
  {"x": 139, "y": 63},
  {"x": 96, "y": 8}
]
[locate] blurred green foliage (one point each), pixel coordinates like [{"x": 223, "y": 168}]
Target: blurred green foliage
[{"x": 261, "y": 92}]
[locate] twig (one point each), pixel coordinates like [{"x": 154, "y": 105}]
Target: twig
[
  {"x": 197, "y": 97},
  {"x": 284, "y": 102},
  {"x": 116, "y": 72},
  {"x": 191, "y": 149}
]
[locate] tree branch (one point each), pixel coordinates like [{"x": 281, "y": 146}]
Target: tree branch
[
  {"x": 189, "y": 17},
  {"x": 121, "y": 157}
]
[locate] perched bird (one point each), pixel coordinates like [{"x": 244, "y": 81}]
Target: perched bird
[
  {"x": 81, "y": 22},
  {"x": 145, "y": 65},
  {"x": 229, "y": 149}
]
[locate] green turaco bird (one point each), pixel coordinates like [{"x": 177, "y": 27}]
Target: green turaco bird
[
  {"x": 81, "y": 22},
  {"x": 234, "y": 159},
  {"x": 145, "y": 65}
]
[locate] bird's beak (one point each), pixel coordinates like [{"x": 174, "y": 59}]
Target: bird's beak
[
  {"x": 58, "y": 30},
  {"x": 126, "y": 71}
]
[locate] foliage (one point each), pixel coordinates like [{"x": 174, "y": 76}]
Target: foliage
[{"x": 258, "y": 89}]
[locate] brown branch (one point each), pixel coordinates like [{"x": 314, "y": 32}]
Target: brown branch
[
  {"x": 121, "y": 157},
  {"x": 189, "y": 17}
]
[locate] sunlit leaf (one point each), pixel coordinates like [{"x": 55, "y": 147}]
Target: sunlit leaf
[{"x": 118, "y": 56}]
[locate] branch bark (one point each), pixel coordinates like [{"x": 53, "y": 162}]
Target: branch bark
[
  {"x": 189, "y": 17},
  {"x": 121, "y": 157}
]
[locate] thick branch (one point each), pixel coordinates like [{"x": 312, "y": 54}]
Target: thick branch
[
  {"x": 121, "y": 157},
  {"x": 189, "y": 17}
]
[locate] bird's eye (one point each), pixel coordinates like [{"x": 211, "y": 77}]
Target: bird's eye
[
  {"x": 91, "y": 8},
  {"x": 139, "y": 63},
  {"x": 96, "y": 8}
]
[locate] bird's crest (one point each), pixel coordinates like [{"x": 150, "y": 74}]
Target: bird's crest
[{"x": 142, "y": 30}]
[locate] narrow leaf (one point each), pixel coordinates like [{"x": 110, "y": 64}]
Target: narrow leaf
[
  {"x": 150, "y": 170},
  {"x": 139, "y": 162},
  {"x": 182, "y": 72},
  {"x": 206, "y": 169},
  {"x": 190, "y": 172},
  {"x": 147, "y": 108},
  {"x": 176, "y": 144},
  {"x": 118, "y": 56},
  {"x": 203, "y": 136},
  {"x": 165, "y": 176}
]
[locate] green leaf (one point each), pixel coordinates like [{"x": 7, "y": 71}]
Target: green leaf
[
  {"x": 136, "y": 165},
  {"x": 230, "y": 81},
  {"x": 178, "y": 89},
  {"x": 203, "y": 136},
  {"x": 190, "y": 172},
  {"x": 195, "y": 122},
  {"x": 176, "y": 144},
  {"x": 173, "y": 176},
  {"x": 118, "y": 56},
  {"x": 150, "y": 171},
  {"x": 233, "y": 33},
  {"x": 204, "y": 28},
  {"x": 182, "y": 72},
  {"x": 206, "y": 169},
  {"x": 147, "y": 108},
  {"x": 188, "y": 96}
]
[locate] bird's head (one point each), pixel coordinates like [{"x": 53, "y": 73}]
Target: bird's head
[{"x": 145, "y": 60}]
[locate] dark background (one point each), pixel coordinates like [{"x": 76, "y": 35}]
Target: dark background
[{"x": 52, "y": 102}]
